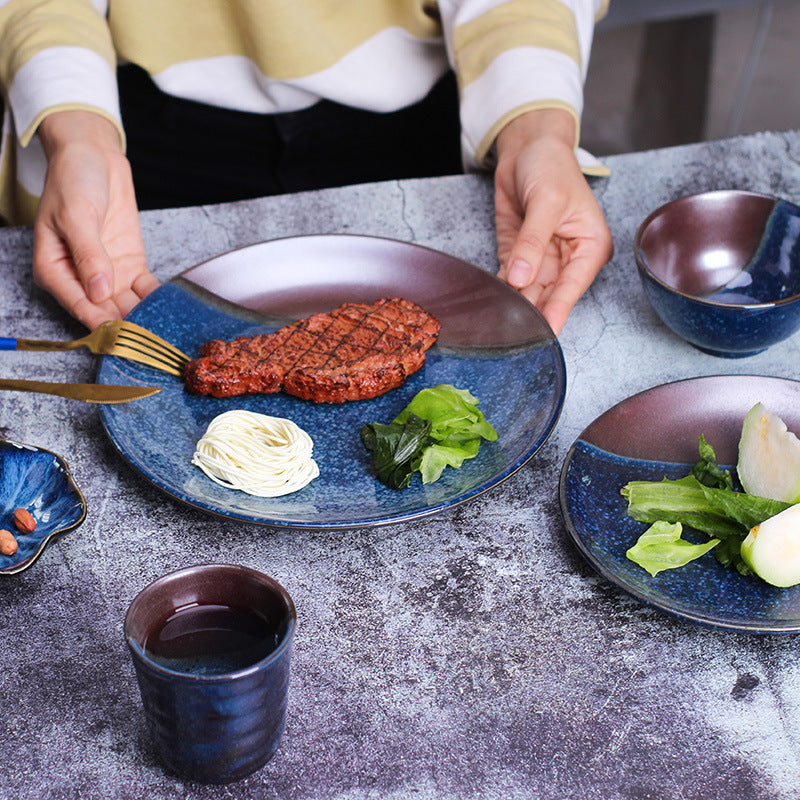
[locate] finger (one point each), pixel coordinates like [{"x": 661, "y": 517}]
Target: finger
[
  {"x": 92, "y": 315},
  {"x": 126, "y": 299},
  {"x": 145, "y": 283},
  {"x": 531, "y": 244},
  {"x": 92, "y": 264},
  {"x": 62, "y": 283},
  {"x": 89, "y": 269},
  {"x": 73, "y": 299},
  {"x": 573, "y": 281},
  {"x": 58, "y": 279},
  {"x": 507, "y": 219},
  {"x": 556, "y": 309}
]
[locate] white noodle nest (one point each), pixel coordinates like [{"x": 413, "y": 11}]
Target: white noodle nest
[{"x": 254, "y": 453}]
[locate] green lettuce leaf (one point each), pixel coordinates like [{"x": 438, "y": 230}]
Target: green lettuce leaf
[
  {"x": 453, "y": 414},
  {"x": 707, "y": 471},
  {"x": 746, "y": 509},
  {"x": 396, "y": 449},
  {"x": 683, "y": 500},
  {"x": 661, "y": 547},
  {"x": 716, "y": 512},
  {"x": 438, "y": 456}
]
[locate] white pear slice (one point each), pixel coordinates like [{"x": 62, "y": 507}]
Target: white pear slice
[
  {"x": 769, "y": 457},
  {"x": 772, "y": 549}
]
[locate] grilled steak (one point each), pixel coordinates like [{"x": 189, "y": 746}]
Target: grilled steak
[{"x": 355, "y": 352}]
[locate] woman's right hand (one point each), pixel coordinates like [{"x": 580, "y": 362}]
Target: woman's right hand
[{"x": 87, "y": 243}]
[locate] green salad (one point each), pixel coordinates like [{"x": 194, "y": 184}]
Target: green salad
[
  {"x": 750, "y": 532},
  {"x": 441, "y": 427}
]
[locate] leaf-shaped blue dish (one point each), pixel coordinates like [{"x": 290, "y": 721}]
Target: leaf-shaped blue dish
[
  {"x": 654, "y": 435},
  {"x": 41, "y": 482}
]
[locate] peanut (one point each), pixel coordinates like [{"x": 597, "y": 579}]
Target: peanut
[
  {"x": 24, "y": 521},
  {"x": 8, "y": 544}
]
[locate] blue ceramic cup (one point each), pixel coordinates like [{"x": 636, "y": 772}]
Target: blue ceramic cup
[{"x": 211, "y": 646}]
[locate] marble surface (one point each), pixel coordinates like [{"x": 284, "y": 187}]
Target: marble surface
[{"x": 473, "y": 654}]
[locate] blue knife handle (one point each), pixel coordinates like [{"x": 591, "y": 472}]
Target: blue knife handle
[{"x": 7, "y": 344}]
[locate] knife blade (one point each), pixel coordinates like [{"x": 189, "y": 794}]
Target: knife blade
[{"x": 87, "y": 392}]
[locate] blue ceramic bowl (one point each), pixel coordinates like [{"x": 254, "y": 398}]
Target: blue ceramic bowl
[
  {"x": 722, "y": 269},
  {"x": 41, "y": 482}
]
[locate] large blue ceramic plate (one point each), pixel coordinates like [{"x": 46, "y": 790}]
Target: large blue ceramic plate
[
  {"x": 41, "y": 482},
  {"x": 653, "y": 435},
  {"x": 493, "y": 342}
]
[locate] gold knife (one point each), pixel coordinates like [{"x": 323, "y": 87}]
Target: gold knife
[{"x": 88, "y": 392}]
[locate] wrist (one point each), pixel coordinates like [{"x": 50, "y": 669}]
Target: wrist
[
  {"x": 555, "y": 124},
  {"x": 64, "y": 127}
]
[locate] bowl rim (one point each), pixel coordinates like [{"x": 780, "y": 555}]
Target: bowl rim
[{"x": 646, "y": 271}]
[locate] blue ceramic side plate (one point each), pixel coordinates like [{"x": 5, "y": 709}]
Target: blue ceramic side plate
[
  {"x": 654, "y": 435},
  {"x": 41, "y": 482},
  {"x": 493, "y": 343}
]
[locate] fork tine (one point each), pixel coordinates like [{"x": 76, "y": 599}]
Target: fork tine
[
  {"x": 147, "y": 338},
  {"x": 122, "y": 351},
  {"x": 135, "y": 344},
  {"x": 145, "y": 356}
]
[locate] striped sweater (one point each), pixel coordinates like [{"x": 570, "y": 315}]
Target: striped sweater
[{"x": 270, "y": 56}]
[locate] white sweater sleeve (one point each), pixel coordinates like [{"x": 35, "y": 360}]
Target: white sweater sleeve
[
  {"x": 512, "y": 56},
  {"x": 56, "y": 54}
]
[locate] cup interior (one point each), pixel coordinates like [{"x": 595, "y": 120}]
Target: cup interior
[{"x": 209, "y": 585}]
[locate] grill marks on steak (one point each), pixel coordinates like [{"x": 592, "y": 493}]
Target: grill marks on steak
[{"x": 355, "y": 352}]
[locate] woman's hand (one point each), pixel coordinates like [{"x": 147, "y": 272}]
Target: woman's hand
[
  {"x": 552, "y": 238},
  {"x": 87, "y": 243}
]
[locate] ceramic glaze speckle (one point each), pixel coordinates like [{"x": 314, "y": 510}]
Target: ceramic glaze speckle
[{"x": 724, "y": 330}]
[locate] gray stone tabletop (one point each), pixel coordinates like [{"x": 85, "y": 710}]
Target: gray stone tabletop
[{"x": 473, "y": 654}]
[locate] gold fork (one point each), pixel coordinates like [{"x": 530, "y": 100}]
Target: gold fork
[{"x": 115, "y": 338}]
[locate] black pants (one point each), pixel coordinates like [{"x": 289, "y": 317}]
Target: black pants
[{"x": 187, "y": 153}]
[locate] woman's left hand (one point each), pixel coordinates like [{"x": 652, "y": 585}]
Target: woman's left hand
[{"x": 552, "y": 237}]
